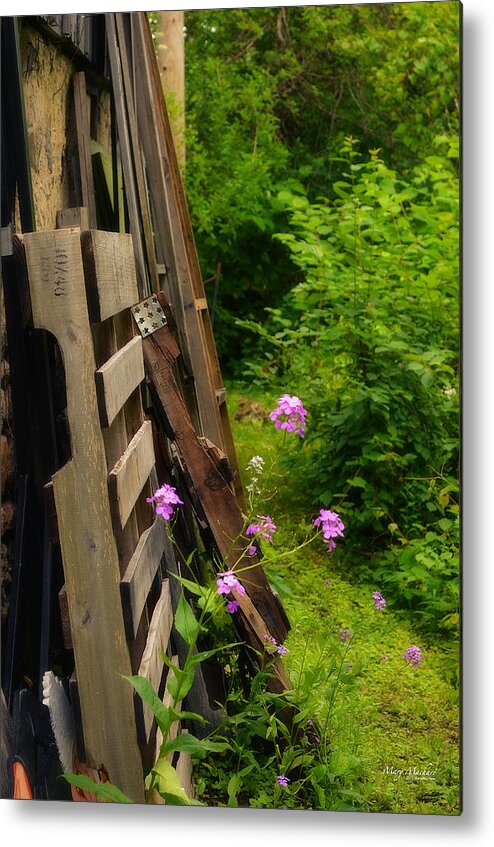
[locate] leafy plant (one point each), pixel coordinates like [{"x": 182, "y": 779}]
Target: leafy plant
[{"x": 370, "y": 336}]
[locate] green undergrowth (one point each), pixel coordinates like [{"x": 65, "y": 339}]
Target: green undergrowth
[{"x": 390, "y": 722}]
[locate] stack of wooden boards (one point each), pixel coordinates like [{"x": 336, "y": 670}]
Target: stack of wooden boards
[{"x": 117, "y": 601}]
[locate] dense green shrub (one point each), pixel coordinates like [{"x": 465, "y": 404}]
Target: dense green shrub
[
  {"x": 369, "y": 339},
  {"x": 271, "y": 93}
]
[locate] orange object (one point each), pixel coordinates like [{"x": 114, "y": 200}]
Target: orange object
[{"x": 22, "y": 789}]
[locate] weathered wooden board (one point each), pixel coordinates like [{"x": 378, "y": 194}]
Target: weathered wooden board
[
  {"x": 118, "y": 378},
  {"x": 176, "y": 247},
  {"x": 90, "y": 560},
  {"x": 140, "y": 574},
  {"x": 111, "y": 280},
  {"x": 77, "y": 216},
  {"x": 130, "y": 474},
  {"x": 152, "y": 664},
  {"x": 81, "y": 108},
  {"x": 213, "y": 492}
]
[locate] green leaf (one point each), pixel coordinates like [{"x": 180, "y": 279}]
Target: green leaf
[
  {"x": 187, "y": 743},
  {"x": 168, "y": 785},
  {"x": 185, "y": 622},
  {"x": 149, "y": 696},
  {"x": 180, "y": 684},
  {"x": 103, "y": 790},
  {"x": 192, "y": 586},
  {"x": 338, "y": 763}
]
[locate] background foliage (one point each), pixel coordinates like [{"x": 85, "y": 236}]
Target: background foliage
[{"x": 271, "y": 94}]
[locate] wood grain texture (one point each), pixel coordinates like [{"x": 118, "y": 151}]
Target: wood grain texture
[
  {"x": 130, "y": 474},
  {"x": 140, "y": 574},
  {"x": 90, "y": 560},
  {"x": 152, "y": 664},
  {"x": 216, "y": 499},
  {"x": 118, "y": 378},
  {"x": 81, "y": 109},
  {"x": 77, "y": 216},
  {"x": 110, "y": 270}
]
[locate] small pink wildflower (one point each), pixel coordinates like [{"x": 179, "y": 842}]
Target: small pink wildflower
[
  {"x": 413, "y": 655},
  {"x": 282, "y": 780},
  {"x": 266, "y": 528},
  {"x": 282, "y": 650},
  {"x": 232, "y": 606},
  {"x": 289, "y": 415},
  {"x": 344, "y": 634},
  {"x": 331, "y": 525},
  {"x": 227, "y": 581},
  {"x": 379, "y": 601},
  {"x": 164, "y": 499}
]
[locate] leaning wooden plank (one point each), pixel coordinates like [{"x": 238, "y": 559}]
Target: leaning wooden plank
[
  {"x": 89, "y": 554},
  {"x": 176, "y": 247},
  {"x": 152, "y": 665},
  {"x": 118, "y": 378},
  {"x": 127, "y": 479},
  {"x": 81, "y": 108},
  {"x": 109, "y": 264},
  {"x": 140, "y": 573},
  {"x": 215, "y": 496}
]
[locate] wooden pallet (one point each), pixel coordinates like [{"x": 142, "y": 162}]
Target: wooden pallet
[{"x": 118, "y": 605}]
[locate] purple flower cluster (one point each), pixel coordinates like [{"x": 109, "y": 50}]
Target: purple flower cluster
[
  {"x": 289, "y": 415},
  {"x": 265, "y": 528},
  {"x": 344, "y": 634},
  {"x": 272, "y": 646},
  {"x": 379, "y": 601},
  {"x": 228, "y": 582},
  {"x": 413, "y": 655},
  {"x": 331, "y": 525},
  {"x": 282, "y": 780},
  {"x": 164, "y": 499}
]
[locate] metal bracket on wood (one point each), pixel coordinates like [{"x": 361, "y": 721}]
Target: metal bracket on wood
[{"x": 149, "y": 316}]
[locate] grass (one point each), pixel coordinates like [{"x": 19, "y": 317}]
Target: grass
[{"x": 389, "y": 721}]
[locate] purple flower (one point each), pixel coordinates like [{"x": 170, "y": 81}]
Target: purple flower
[
  {"x": 283, "y": 780},
  {"x": 251, "y": 551},
  {"x": 271, "y": 645},
  {"x": 232, "y": 606},
  {"x": 227, "y": 581},
  {"x": 344, "y": 634},
  {"x": 327, "y": 582},
  {"x": 413, "y": 655},
  {"x": 266, "y": 528},
  {"x": 310, "y": 723},
  {"x": 164, "y": 499},
  {"x": 289, "y": 414},
  {"x": 331, "y": 526},
  {"x": 379, "y": 601}
]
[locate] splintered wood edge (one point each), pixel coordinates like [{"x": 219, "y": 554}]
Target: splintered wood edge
[
  {"x": 152, "y": 664},
  {"x": 127, "y": 478},
  {"x": 118, "y": 378},
  {"x": 139, "y": 574}
]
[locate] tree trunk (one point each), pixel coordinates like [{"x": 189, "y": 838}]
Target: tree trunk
[{"x": 170, "y": 52}]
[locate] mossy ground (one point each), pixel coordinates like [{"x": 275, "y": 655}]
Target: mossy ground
[{"x": 391, "y": 721}]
